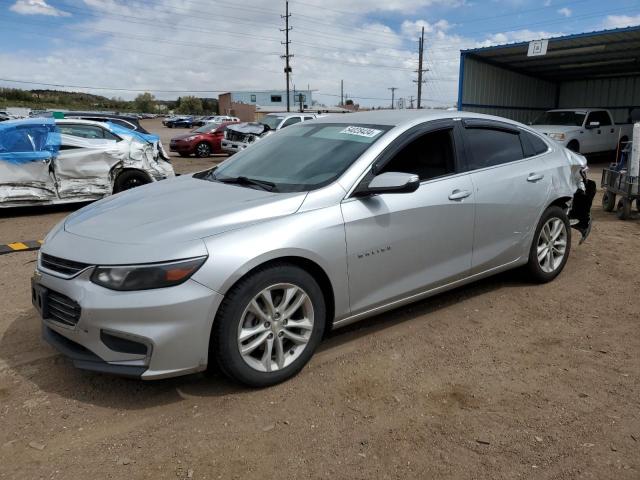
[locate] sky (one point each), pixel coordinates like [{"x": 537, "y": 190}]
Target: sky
[{"x": 120, "y": 48}]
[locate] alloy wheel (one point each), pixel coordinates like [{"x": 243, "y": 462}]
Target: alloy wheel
[
  {"x": 275, "y": 327},
  {"x": 552, "y": 245}
]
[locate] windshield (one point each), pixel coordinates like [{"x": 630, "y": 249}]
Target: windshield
[
  {"x": 301, "y": 158},
  {"x": 271, "y": 122},
  {"x": 574, "y": 119}
]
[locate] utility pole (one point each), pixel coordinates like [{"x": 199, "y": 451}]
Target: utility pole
[
  {"x": 301, "y": 104},
  {"x": 287, "y": 56},
  {"x": 393, "y": 96},
  {"x": 342, "y": 93},
  {"x": 420, "y": 70}
]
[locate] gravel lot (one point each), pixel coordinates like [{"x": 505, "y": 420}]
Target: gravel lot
[{"x": 500, "y": 379}]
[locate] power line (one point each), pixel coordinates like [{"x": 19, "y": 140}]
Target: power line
[{"x": 115, "y": 89}]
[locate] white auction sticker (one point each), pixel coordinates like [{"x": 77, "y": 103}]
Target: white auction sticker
[{"x": 361, "y": 131}]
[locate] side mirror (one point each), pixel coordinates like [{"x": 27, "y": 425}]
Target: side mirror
[
  {"x": 593, "y": 125},
  {"x": 392, "y": 182}
]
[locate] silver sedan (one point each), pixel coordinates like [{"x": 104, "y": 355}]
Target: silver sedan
[{"x": 248, "y": 264}]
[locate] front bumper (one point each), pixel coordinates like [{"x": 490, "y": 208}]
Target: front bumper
[
  {"x": 233, "y": 147},
  {"x": 171, "y": 326},
  {"x": 181, "y": 147}
]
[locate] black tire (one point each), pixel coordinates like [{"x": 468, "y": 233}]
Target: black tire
[
  {"x": 224, "y": 336},
  {"x": 624, "y": 209},
  {"x": 535, "y": 270},
  {"x": 130, "y": 179},
  {"x": 638, "y": 205},
  {"x": 574, "y": 146},
  {"x": 203, "y": 150},
  {"x": 608, "y": 201}
]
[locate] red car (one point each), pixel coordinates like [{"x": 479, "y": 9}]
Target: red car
[{"x": 201, "y": 142}]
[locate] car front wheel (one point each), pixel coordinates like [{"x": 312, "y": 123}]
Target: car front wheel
[
  {"x": 203, "y": 150},
  {"x": 551, "y": 245},
  {"x": 269, "y": 325}
]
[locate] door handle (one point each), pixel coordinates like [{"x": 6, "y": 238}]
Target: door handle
[
  {"x": 535, "y": 177},
  {"x": 459, "y": 194}
]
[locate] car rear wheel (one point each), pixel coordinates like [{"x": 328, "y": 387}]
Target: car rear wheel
[
  {"x": 129, "y": 179},
  {"x": 551, "y": 245},
  {"x": 269, "y": 325},
  {"x": 203, "y": 150}
]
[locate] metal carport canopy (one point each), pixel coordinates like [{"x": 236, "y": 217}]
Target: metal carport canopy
[{"x": 608, "y": 54}]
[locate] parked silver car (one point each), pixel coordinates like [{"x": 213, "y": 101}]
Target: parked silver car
[{"x": 247, "y": 265}]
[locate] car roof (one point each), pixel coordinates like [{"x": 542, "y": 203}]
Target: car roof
[
  {"x": 79, "y": 121},
  {"x": 400, "y": 118}
]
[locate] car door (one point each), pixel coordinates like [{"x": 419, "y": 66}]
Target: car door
[
  {"x": 596, "y": 139},
  {"x": 26, "y": 152},
  {"x": 402, "y": 244},
  {"x": 510, "y": 188},
  {"x": 87, "y": 155}
]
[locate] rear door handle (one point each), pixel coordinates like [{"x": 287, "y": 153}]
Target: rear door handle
[
  {"x": 459, "y": 194},
  {"x": 535, "y": 177}
]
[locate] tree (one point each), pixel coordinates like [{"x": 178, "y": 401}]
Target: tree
[
  {"x": 145, "y": 103},
  {"x": 348, "y": 102},
  {"x": 190, "y": 105}
]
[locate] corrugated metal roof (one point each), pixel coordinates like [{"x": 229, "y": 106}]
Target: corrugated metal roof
[{"x": 590, "y": 55}]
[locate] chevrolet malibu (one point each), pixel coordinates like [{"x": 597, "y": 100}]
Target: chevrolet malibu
[{"x": 331, "y": 221}]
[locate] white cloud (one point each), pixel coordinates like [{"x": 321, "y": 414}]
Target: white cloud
[
  {"x": 36, "y": 7},
  {"x": 564, "y": 11},
  {"x": 620, "y": 21},
  {"x": 547, "y": 3},
  {"x": 175, "y": 45}
]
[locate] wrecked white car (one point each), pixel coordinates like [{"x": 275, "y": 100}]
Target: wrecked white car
[
  {"x": 240, "y": 136},
  {"x": 46, "y": 161}
]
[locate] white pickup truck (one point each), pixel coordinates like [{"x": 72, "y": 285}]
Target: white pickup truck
[{"x": 584, "y": 130}]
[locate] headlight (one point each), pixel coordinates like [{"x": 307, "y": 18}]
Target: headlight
[
  {"x": 146, "y": 277},
  {"x": 189, "y": 139},
  {"x": 557, "y": 136}
]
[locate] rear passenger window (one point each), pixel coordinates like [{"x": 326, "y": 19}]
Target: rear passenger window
[
  {"x": 488, "y": 147},
  {"x": 532, "y": 144},
  {"x": 429, "y": 156}
]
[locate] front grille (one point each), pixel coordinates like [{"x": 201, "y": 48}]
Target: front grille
[
  {"x": 62, "y": 309},
  {"x": 236, "y": 137},
  {"x": 60, "y": 265}
]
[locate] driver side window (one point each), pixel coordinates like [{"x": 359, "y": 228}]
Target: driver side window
[{"x": 428, "y": 156}]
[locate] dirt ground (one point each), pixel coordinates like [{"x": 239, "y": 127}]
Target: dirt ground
[{"x": 500, "y": 379}]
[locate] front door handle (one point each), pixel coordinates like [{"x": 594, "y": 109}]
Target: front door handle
[
  {"x": 535, "y": 177},
  {"x": 459, "y": 194}
]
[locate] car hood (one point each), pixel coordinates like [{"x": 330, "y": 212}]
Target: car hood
[
  {"x": 178, "y": 210},
  {"x": 186, "y": 135},
  {"x": 555, "y": 128}
]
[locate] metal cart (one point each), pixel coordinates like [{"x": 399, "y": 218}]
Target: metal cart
[{"x": 618, "y": 185}]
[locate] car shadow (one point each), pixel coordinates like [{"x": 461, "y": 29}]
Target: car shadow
[
  {"x": 35, "y": 210},
  {"x": 25, "y": 354}
]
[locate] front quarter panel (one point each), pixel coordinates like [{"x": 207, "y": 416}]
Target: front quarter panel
[{"x": 315, "y": 235}]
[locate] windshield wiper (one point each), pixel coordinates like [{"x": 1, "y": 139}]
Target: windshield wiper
[{"x": 242, "y": 180}]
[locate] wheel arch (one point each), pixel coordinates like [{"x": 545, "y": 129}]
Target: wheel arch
[
  {"x": 310, "y": 266},
  {"x": 117, "y": 172},
  {"x": 574, "y": 141}
]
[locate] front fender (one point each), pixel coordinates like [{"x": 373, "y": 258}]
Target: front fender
[{"x": 316, "y": 236}]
